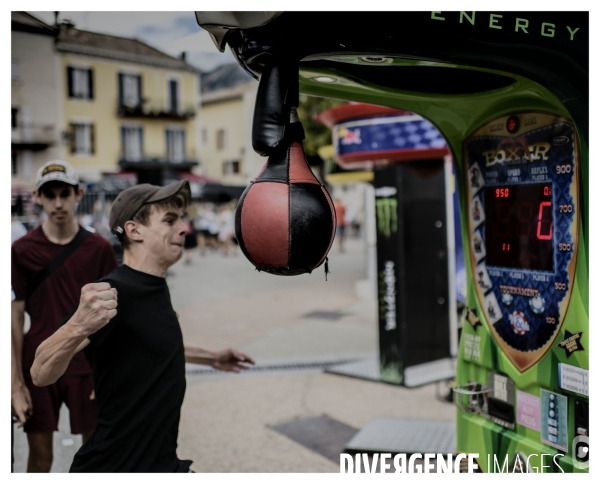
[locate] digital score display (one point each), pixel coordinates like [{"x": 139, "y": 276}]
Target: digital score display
[
  {"x": 519, "y": 226},
  {"x": 522, "y": 219}
]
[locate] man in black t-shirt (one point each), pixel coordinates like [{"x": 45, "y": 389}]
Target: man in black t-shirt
[{"x": 133, "y": 342}]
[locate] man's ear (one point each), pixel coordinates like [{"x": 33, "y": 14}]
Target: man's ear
[
  {"x": 132, "y": 231},
  {"x": 36, "y": 198},
  {"x": 79, "y": 194}
]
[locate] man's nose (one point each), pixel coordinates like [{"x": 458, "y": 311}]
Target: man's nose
[{"x": 182, "y": 228}]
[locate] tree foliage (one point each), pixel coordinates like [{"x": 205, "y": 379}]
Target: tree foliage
[{"x": 317, "y": 134}]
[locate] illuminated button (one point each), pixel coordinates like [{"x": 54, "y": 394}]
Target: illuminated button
[
  {"x": 537, "y": 304},
  {"x": 551, "y": 413},
  {"x": 552, "y": 422},
  {"x": 553, "y": 430},
  {"x": 552, "y": 438}
]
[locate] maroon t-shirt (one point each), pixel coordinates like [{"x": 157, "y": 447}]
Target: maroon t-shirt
[{"x": 58, "y": 295}]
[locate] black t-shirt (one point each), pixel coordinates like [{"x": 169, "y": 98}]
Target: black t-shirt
[{"x": 138, "y": 364}]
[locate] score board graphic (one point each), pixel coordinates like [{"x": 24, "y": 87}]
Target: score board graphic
[
  {"x": 519, "y": 227},
  {"x": 522, "y": 187}
]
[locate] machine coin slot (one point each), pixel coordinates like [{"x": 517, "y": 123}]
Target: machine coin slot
[{"x": 501, "y": 400}]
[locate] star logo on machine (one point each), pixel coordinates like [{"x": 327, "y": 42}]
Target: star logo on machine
[
  {"x": 571, "y": 343},
  {"x": 473, "y": 318},
  {"x": 519, "y": 324}
]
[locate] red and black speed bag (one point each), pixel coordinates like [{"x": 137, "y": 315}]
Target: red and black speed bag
[{"x": 285, "y": 220}]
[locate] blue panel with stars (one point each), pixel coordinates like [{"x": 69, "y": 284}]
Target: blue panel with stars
[{"x": 387, "y": 133}]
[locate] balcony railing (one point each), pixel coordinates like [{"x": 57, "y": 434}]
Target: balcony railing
[
  {"x": 156, "y": 110},
  {"x": 34, "y": 136}
]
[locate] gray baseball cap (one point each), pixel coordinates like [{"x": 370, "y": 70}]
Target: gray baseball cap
[
  {"x": 56, "y": 170},
  {"x": 131, "y": 200}
]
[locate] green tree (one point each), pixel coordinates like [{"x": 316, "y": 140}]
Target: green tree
[{"x": 317, "y": 134}]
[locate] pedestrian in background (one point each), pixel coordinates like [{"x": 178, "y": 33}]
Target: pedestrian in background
[
  {"x": 340, "y": 217},
  {"x": 191, "y": 239},
  {"x": 49, "y": 266},
  {"x": 17, "y": 229},
  {"x": 226, "y": 220}
]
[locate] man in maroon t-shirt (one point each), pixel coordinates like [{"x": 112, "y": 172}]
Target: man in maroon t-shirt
[{"x": 58, "y": 192}]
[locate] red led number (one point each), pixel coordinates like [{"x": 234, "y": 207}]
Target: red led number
[
  {"x": 544, "y": 228},
  {"x": 501, "y": 192}
]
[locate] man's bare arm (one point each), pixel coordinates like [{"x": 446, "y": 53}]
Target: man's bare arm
[
  {"x": 226, "y": 360},
  {"x": 17, "y": 319},
  {"x": 20, "y": 399},
  {"x": 54, "y": 355},
  {"x": 97, "y": 307}
]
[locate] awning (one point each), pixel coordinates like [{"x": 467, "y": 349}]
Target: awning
[
  {"x": 220, "y": 193},
  {"x": 349, "y": 177},
  {"x": 192, "y": 177}
]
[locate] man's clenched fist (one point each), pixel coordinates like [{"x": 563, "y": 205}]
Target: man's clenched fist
[{"x": 97, "y": 306}]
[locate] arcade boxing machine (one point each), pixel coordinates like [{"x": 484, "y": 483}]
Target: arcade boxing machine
[
  {"x": 509, "y": 92},
  {"x": 413, "y": 192}
]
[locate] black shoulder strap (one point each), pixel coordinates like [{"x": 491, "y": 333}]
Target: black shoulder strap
[{"x": 56, "y": 263}]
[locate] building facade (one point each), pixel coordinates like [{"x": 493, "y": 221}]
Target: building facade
[
  {"x": 127, "y": 107},
  {"x": 227, "y": 109},
  {"x": 108, "y": 105},
  {"x": 35, "y": 100}
]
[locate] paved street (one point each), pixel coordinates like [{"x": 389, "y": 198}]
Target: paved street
[{"x": 286, "y": 324}]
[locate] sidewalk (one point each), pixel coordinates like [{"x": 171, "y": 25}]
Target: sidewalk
[{"x": 227, "y": 419}]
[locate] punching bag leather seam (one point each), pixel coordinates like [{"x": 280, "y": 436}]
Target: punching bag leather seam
[
  {"x": 334, "y": 220},
  {"x": 271, "y": 180},
  {"x": 261, "y": 171},
  {"x": 306, "y": 180}
]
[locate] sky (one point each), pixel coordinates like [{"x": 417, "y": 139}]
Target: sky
[{"x": 170, "y": 32}]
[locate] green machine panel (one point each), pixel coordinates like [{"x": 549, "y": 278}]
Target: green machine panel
[
  {"x": 523, "y": 363},
  {"x": 509, "y": 92}
]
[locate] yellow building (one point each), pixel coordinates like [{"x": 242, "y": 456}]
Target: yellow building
[
  {"x": 126, "y": 107},
  {"x": 228, "y": 98}
]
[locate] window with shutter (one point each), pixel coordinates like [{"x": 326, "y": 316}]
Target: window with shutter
[
  {"x": 14, "y": 76},
  {"x": 130, "y": 95},
  {"x": 221, "y": 139},
  {"x": 80, "y": 82},
  {"x": 173, "y": 96},
  {"x": 132, "y": 143},
  {"x": 90, "y": 84},
  {"x": 82, "y": 139},
  {"x": 14, "y": 160},
  {"x": 231, "y": 167},
  {"x": 175, "y": 145}
]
